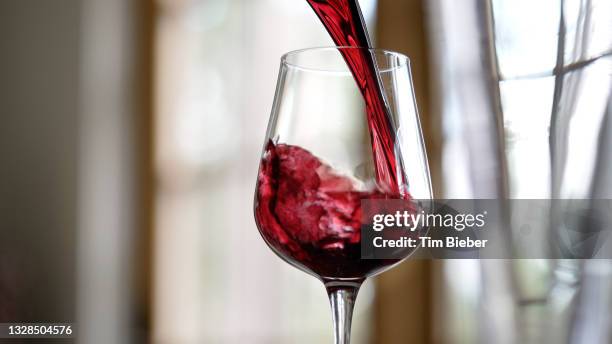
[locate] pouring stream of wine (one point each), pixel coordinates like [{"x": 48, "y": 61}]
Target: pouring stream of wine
[{"x": 345, "y": 23}]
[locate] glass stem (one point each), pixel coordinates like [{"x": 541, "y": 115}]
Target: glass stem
[{"x": 342, "y": 297}]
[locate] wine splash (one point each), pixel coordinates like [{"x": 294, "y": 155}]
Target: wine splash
[{"x": 311, "y": 215}]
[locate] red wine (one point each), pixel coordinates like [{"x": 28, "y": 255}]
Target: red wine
[
  {"x": 345, "y": 24},
  {"x": 311, "y": 215}
]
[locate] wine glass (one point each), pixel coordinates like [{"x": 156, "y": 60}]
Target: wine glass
[{"x": 317, "y": 166}]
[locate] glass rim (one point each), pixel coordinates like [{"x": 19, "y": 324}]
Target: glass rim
[{"x": 405, "y": 60}]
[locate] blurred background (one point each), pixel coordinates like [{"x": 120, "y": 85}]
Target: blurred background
[{"x": 130, "y": 139}]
